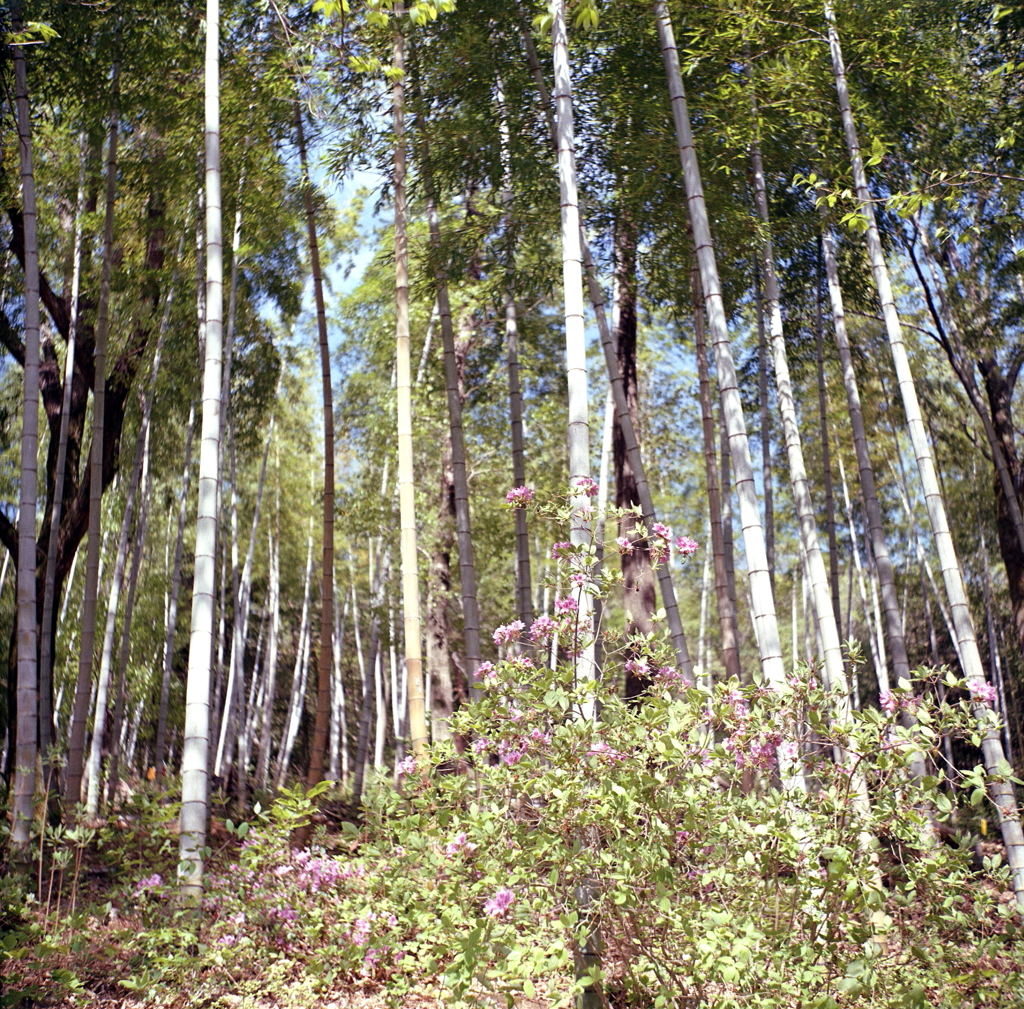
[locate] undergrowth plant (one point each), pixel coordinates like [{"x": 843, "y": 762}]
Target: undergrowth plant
[{"x": 662, "y": 834}]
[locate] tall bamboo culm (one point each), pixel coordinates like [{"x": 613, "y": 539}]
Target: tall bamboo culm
[
  {"x": 325, "y": 655},
  {"x": 27, "y": 725},
  {"x": 873, "y": 513},
  {"x": 766, "y": 624},
  {"x": 828, "y": 629},
  {"x": 83, "y": 686},
  {"x": 403, "y": 389},
  {"x": 622, "y": 416},
  {"x": 1000, "y": 788},
  {"x": 57, "y": 506},
  {"x": 195, "y": 749}
]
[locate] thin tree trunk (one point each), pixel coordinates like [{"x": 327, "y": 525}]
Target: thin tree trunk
[
  {"x": 298, "y": 695},
  {"x": 639, "y": 597},
  {"x": 588, "y": 952},
  {"x": 325, "y": 654},
  {"x": 172, "y": 601},
  {"x": 826, "y": 462},
  {"x": 241, "y": 633},
  {"x": 726, "y": 608},
  {"x": 195, "y": 798},
  {"x": 728, "y": 552},
  {"x": 753, "y": 533},
  {"x": 27, "y": 725},
  {"x": 339, "y": 728},
  {"x": 113, "y": 772},
  {"x": 263, "y": 763},
  {"x": 47, "y": 631},
  {"x": 995, "y": 666},
  {"x": 826, "y": 616},
  {"x": 1001, "y": 791},
  {"x": 524, "y": 602},
  {"x": 766, "y": 431},
  {"x": 879, "y": 551},
  {"x": 406, "y": 476},
  {"x": 460, "y": 484},
  {"x": 877, "y": 660},
  {"x": 83, "y": 687},
  {"x": 702, "y": 672},
  {"x": 380, "y": 707}
]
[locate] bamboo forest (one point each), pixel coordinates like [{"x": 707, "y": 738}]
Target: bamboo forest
[{"x": 512, "y": 504}]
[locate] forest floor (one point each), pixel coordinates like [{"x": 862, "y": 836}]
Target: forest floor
[{"x": 97, "y": 956}]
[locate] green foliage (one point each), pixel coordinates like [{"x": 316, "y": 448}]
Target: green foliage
[{"x": 716, "y": 844}]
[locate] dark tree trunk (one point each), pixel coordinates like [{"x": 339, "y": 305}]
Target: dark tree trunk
[{"x": 637, "y": 574}]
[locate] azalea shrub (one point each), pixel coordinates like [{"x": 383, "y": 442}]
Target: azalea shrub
[{"x": 726, "y": 845}]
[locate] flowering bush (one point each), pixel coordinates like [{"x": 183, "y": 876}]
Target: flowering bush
[{"x": 708, "y": 847}]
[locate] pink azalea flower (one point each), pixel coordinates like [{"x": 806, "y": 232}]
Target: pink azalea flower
[
  {"x": 983, "y": 692},
  {"x": 624, "y": 545},
  {"x": 519, "y": 497},
  {"x": 543, "y": 628},
  {"x": 509, "y": 632},
  {"x": 685, "y": 546},
  {"x": 499, "y": 903},
  {"x": 585, "y": 485}
]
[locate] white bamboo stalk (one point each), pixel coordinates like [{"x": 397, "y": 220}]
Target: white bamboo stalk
[
  {"x": 172, "y": 600},
  {"x": 524, "y": 603},
  {"x": 580, "y": 532},
  {"x": 406, "y": 476},
  {"x": 818, "y": 581},
  {"x": 872, "y": 511},
  {"x": 269, "y": 694},
  {"x": 753, "y": 533},
  {"x": 195, "y": 800}
]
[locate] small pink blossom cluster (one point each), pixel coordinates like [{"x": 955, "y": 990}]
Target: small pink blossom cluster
[
  {"x": 316, "y": 873},
  {"x": 624, "y": 545},
  {"x": 485, "y": 672},
  {"x": 638, "y": 667},
  {"x": 511, "y": 751},
  {"x": 507, "y": 633},
  {"x": 891, "y": 702},
  {"x": 519, "y": 497},
  {"x": 585, "y": 485},
  {"x": 685, "y": 546},
  {"x": 983, "y": 692},
  {"x": 604, "y": 751},
  {"x": 738, "y": 703},
  {"x": 566, "y": 605},
  {"x": 498, "y": 905},
  {"x": 481, "y": 744},
  {"x": 406, "y": 766},
  {"x": 360, "y": 931},
  {"x": 757, "y": 753},
  {"x": 669, "y": 676},
  {"x": 149, "y": 883},
  {"x": 561, "y": 550},
  {"x": 460, "y": 843},
  {"x": 543, "y": 629}
]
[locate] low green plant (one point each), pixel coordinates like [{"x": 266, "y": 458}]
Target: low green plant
[{"x": 735, "y": 846}]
